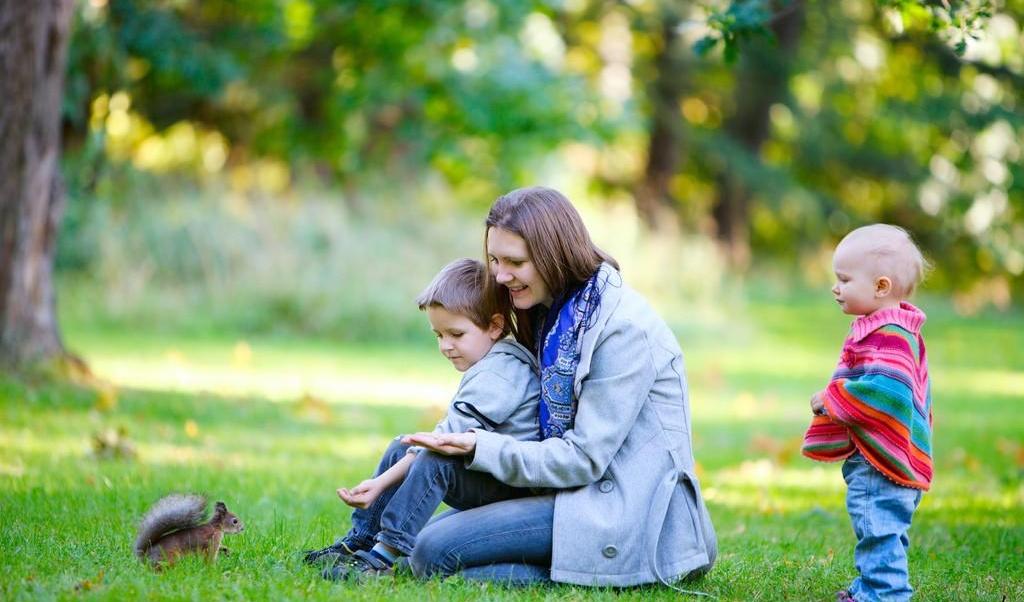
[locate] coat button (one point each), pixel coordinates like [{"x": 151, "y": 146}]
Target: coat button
[
  {"x": 610, "y": 551},
  {"x": 605, "y": 486}
]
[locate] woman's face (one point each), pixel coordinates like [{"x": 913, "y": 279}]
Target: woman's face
[{"x": 512, "y": 266}]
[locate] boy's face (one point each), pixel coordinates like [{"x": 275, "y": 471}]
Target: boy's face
[
  {"x": 459, "y": 339},
  {"x": 858, "y": 290}
]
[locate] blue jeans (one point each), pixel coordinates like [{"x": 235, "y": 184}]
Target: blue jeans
[
  {"x": 400, "y": 513},
  {"x": 366, "y": 521},
  {"x": 881, "y": 512},
  {"x": 507, "y": 542}
]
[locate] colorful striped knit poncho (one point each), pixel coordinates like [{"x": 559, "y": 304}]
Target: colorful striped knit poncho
[{"x": 879, "y": 399}]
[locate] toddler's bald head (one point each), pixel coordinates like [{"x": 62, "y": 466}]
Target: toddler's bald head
[{"x": 888, "y": 251}]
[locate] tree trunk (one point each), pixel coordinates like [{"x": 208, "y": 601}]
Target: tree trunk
[
  {"x": 761, "y": 81},
  {"x": 654, "y": 200},
  {"x": 33, "y": 47}
]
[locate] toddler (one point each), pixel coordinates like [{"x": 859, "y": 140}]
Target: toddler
[
  {"x": 876, "y": 412},
  {"x": 499, "y": 392}
]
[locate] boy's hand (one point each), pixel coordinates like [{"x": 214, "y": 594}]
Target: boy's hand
[
  {"x": 818, "y": 404},
  {"x": 363, "y": 494},
  {"x": 449, "y": 444}
]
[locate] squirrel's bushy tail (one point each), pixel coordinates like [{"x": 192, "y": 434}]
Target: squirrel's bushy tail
[{"x": 170, "y": 513}]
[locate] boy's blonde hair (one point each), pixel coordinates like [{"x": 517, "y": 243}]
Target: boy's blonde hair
[
  {"x": 461, "y": 288},
  {"x": 894, "y": 254}
]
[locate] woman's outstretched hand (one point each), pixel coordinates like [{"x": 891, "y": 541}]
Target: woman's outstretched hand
[{"x": 449, "y": 444}]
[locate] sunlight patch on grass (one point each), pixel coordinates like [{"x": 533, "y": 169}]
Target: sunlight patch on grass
[
  {"x": 772, "y": 501},
  {"x": 187, "y": 455},
  {"x": 764, "y": 472},
  {"x": 47, "y": 446},
  {"x": 351, "y": 448},
  {"x": 761, "y": 359},
  {"x": 284, "y": 383},
  {"x": 979, "y": 382},
  {"x": 11, "y": 467},
  {"x": 959, "y": 496},
  {"x": 763, "y": 486},
  {"x": 720, "y": 405}
]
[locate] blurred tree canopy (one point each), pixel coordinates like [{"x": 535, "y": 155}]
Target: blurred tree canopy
[{"x": 775, "y": 125}]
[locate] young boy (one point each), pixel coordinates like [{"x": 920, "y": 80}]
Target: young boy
[
  {"x": 876, "y": 413},
  {"x": 499, "y": 392}
]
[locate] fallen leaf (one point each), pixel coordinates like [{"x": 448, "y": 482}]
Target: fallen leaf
[
  {"x": 106, "y": 397},
  {"x": 241, "y": 356},
  {"x": 89, "y": 584}
]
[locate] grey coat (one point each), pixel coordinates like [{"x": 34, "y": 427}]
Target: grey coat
[
  {"x": 629, "y": 509},
  {"x": 499, "y": 393}
]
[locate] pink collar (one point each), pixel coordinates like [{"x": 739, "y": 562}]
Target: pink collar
[{"x": 905, "y": 316}]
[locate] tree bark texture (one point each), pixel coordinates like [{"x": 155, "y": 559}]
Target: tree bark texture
[
  {"x": 33, "y": 49},
  {"x": 761, "y": 81},
  {"x": 654, "y": 200}
]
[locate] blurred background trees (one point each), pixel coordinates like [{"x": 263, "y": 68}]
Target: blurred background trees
[{"x": 194, "y": 129}]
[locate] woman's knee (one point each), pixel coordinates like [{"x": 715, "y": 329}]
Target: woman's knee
[{"x": 432, "y": 555}]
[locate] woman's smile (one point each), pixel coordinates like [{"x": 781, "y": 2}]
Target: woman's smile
[{"x": 510, "y": 263}]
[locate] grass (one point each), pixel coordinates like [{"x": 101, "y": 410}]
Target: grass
[{"x": 273, "y": 425}]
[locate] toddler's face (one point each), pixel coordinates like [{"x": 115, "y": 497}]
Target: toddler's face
[
  {"x": 459, "y": 339},
  {"x": 856, "y": 282}
]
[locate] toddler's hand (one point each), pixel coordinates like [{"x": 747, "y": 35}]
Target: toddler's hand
[
  {"x": 362, "y": 495},
  {"x": 818, "y": 404}
]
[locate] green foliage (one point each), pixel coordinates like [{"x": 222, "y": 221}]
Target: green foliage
[
  {"x": 742, "y": 20},
  {"x": 881, "y": 121},
  {"x": 959, "y": 20},
  {"x": 355, "y": 88},
  {"x": 738, "y": 22},
  {"x": 877, "y": 118}
]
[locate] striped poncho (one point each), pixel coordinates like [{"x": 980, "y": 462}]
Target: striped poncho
[{"x": 879, "y": 399}]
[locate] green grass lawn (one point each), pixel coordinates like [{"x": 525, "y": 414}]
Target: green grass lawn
[{"x": 273, "y": 426}]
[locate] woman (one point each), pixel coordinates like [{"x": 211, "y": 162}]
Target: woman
[{"x": 618, "y": 501}]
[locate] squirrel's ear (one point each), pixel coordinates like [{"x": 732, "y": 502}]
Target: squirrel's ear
[{"x": 220, "y": 508}]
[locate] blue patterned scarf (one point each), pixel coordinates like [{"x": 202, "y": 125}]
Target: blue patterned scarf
[{"x": 560, "y": 350}]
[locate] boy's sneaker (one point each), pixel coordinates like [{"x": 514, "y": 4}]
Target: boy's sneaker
[
  {"x": 844, "y": 596},
  {"x": 363, "y": 564},
  {"x": 328, "y": 554}
]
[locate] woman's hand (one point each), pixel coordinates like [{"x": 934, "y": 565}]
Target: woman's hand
[
  {"x": 449, "y": 444},
  {"x": 363, "y": 494}
]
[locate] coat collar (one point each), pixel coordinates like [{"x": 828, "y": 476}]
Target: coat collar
[
  {"x": 612, "y": 289},
  {"x": 905, "y": 316}
]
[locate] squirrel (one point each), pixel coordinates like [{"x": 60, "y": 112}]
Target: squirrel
[{"x": 174, "y": 526}]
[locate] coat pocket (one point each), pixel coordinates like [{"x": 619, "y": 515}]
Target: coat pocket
[
  {"x": 689, "y": 503},
  {"x": 671, "y": 416}
]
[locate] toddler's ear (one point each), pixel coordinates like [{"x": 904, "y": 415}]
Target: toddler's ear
[{"x": 883, "y": 286}]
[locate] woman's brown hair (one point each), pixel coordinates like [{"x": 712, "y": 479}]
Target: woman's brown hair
[{"x": 556, "y": 239}]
